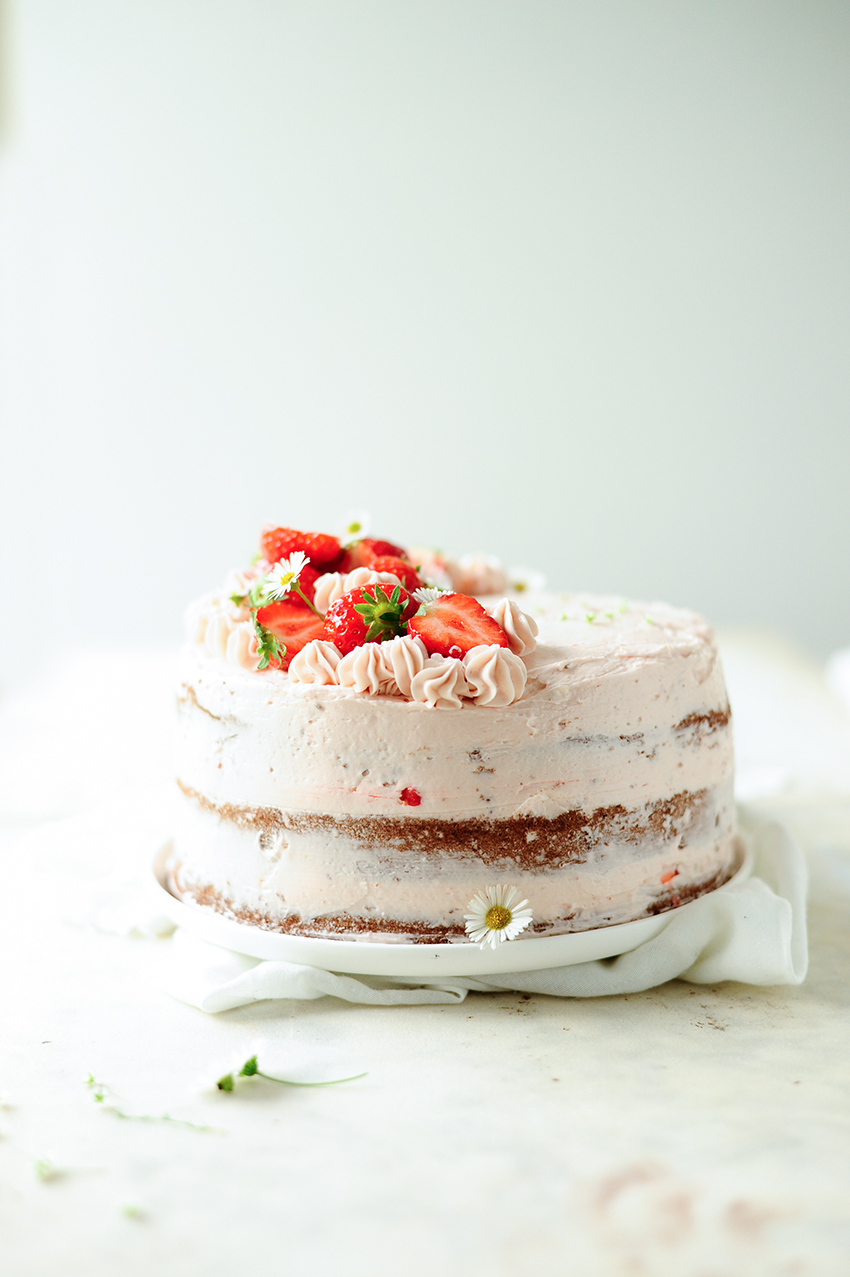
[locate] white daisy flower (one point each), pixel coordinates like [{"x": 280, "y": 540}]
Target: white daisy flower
[
  {"x": 494, "y": 915},
  {"x": 356, "y": 526},
  {"x": 427, "y": 594},
  {"x": 283, "y": 576},
  {"x": 526, "y": 580}
]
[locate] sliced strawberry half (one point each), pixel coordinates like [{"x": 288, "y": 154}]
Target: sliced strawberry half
[
  {"x": 292, "y": 622},
  {"x": 361, "y": 554},
  {"x": 405, "y": 572},
  {"x": 322, "y": 550},
  {"x": 368, "y": 614},
  {"x": 452, "y": 624}
]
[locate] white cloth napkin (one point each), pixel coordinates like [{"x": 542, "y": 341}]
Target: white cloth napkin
[{"x": 753, "y": 932}]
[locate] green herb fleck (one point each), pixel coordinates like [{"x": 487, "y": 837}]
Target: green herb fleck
[{"x": 103, "y": 1096}]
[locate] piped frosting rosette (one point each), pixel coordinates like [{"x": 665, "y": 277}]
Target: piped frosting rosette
[{"x": 487, "y": 675}]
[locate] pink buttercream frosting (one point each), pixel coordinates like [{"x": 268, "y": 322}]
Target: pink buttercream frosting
[
  {"x": 496, "y": 677},
  {"x": 317, "y": 662},
  {"x": 520, "y": 628},
  {"x": 363, "y": 669},
  {"x": 242, "y": 646},
  {"x": 440, "y": 683},
  {"x": 333, "y": 585},
  {"x": 403, "y": 658},
  {"x": 472, "y": 574}
]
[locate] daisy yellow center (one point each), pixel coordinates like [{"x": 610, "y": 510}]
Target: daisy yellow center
[{"x": 497, "y": 917}]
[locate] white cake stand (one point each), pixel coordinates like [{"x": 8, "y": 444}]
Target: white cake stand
[{"x": 423, "y": 961}]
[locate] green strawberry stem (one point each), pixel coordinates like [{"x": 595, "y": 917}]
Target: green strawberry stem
[
  {"x": 297, "y": 588},
  {"x": 383, "y": 614}
]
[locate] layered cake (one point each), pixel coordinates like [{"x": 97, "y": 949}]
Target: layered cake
[{"x": 368, "y": 751}]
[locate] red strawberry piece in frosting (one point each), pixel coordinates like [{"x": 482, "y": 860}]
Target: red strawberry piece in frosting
[
  {"x": 292, "y": 622},
  {"x": 410, "y": 797},
  {"x": 405, "y": 572},
  {"x": 368, "y": 614},
  {"x": 452, "y": 624},
  {"x": 323, "y": 551},
  {"x": 361, "y": 554}
]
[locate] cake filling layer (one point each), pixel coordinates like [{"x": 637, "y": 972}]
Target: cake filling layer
[{"x": 303, "y": 872}]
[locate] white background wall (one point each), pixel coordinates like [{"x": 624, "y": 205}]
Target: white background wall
[{"x": 567, "y": 282}]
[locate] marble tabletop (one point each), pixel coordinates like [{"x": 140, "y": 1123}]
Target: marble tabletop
[{"x": 691, "y": 1130}]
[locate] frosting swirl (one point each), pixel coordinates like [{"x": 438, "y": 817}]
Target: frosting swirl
[
  {"x": 472, "y": 574},
  {"x": 218, "y": 631},
  {"x": 333, "y": 585},
  {"x": 495, "y": 676},
  {"x": 317, "y": 662},
  {"x": 240, "y": 580},
  {"x": 327, "y": 590},
  {"x": 241, "y": 647},
  {"x": 210, "y": 620},
  {"x": 363, "y": 669},
  {"x": 478, "y": 574},
  {"x": 402, "y": 657},
  {"x": 196, "y": 620},
  {"x": 519, "y": 627},
  {"x": 440, "y": 683}
]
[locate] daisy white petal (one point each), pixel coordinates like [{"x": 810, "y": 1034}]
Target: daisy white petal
[
  {"x": 283, "y": 576},
  {"x": 426, "y": 594},
  {"x": 495, "y": 915}
]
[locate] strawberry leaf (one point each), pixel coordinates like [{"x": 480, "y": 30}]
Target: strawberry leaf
[
  {"x": 382, "y": 613},
  {"x": 269, "y": 646}
]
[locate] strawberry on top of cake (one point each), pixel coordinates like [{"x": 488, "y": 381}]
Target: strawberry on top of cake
[{"x": 366, "y": 616}]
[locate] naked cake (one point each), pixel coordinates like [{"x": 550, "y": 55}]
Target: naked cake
[{"x": 369, "y": 752}]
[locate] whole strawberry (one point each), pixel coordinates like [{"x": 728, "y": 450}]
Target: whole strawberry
[
  {"x": 405, "y": 571},
  {"x": 362, "y": 554},
  {"x": 452, "y": 624},
  {"x": 323, "y": 551},
  {"x": 368, "y": 614}
]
